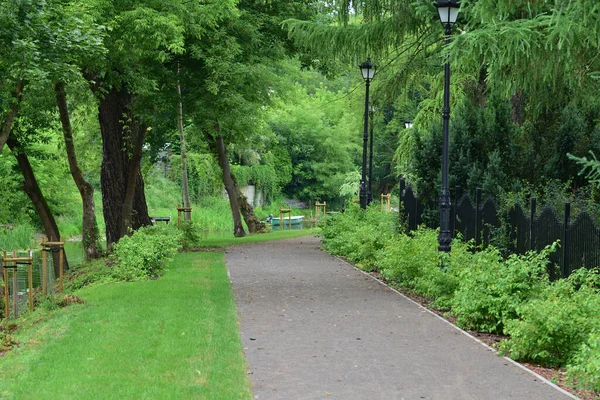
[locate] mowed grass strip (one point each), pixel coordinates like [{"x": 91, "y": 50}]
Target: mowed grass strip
[
  {"x": 172, "y": 338},
  {"x": 219, "y": 241}
]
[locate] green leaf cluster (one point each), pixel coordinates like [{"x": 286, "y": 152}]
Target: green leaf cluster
[
  {"x": 358, "y": 235},
  {"x": 551, "y": 328},
  {"x": 145, "y": 253},
  {"x": 492, "y": 289},
  {"x": 551, "y": 323},
  {"x": 584, "y": 367}
]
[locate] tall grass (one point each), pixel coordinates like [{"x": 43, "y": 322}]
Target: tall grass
[{"x": 18, "y": 237}]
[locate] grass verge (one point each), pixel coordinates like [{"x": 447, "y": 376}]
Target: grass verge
[
  {"x": 175, "y": 337},
  {"x": 220, "y": 241}
]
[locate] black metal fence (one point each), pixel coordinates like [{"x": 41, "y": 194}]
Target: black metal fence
[{"x": 523, "y": 229}]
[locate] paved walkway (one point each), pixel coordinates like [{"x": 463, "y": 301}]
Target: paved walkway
[{"x": 314, "y": 327}]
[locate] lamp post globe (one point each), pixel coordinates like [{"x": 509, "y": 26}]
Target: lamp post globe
[
  {"x": 448, "y": 13},
  {"x": 368, "y": 72}
]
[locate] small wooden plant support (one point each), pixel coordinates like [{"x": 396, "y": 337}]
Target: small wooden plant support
[
  {"x": 320, "y": 209},
  {"x": 51, "y": 247},
  {"x": 283, "y": 211},
  {"x": 12, "y": 263},
  {"x": 387, "y": 199},
  {"x": 181, "y": 211}
]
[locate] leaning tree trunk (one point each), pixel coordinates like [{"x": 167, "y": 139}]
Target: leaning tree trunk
[
  {"x": 118, "y": 126},
  {"x": 12, "y": 113},
  {"x": 238, "y": 228},
  {"x": 91, "y": 240},
  {"x": 185, "y": 192},
  {"x": 254, "y": 224},
  {"x": 32, "y": 189}
]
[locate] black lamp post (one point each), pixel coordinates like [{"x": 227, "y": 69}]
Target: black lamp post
[
  {"x": 448, "y": 11},
  {"x": 370, "y": 190},
  {"x": 368, "y": 71}
]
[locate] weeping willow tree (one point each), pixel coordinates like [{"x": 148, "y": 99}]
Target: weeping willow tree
[{"x": 540, "y": 56}]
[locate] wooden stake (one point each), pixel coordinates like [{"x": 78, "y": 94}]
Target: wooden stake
[
  {"x": 30, "y": 280},
  {"x": 15, "y": 305},
  {"x": 60, "y": 268},
  {"x": 44, "y": 269},
  {"x": 6, "y": 294}
]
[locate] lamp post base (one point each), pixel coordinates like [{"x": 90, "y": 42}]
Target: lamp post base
[{"x": 363, "y": 195}]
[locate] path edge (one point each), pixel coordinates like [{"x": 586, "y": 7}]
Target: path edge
[{"x": 513, "y": 362}]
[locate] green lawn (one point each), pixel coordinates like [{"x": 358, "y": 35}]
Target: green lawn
[
  {"x": 219, "y": 240},
  {"x": 172, "y": 338}
]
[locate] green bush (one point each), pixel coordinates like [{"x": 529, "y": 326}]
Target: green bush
[
  {"x": 144, "y": 254},
  {"x": 584, "y": 370},
  {"x": 359, "y": 235},
  {"x": 413, "y": 262},
  {"x": 492, "y": 289},
  {"x": 190, "y": 235},
  {"x": 551, "y": 329}
]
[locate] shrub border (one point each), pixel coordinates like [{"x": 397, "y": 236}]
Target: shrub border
[{"x": 513, "y": 362}]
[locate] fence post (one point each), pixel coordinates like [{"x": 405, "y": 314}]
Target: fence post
[
  {"x": 532, "y": 225},
  {"x": 567, "y": 242},
  {"x": 477, "y": 217},
  {"x": 402, "y": 209},
  {"x": 457, "y": 196},
  {"x": 402, "y": 187}
]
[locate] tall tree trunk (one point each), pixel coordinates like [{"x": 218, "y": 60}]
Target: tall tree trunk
[
  {"x": 118, "y": 127},
  {"x": 254, "y": 224},
  {"x": 223, "y": 158},
  {"x": 32, "y": 189},
  {"x": 185, "y": 192},
  {"x": 91, "y": 240},
  {"x": 12, "y": 113},
  {"x": 134, "y": 169}
]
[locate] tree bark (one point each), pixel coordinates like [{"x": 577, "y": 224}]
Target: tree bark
[
  {"x": 32, "y": 189},
  {"x": 12, "y": 113},
  {"x": 223, "y": 158},
  {"x": 184, "y": 176},
  {"x": 134, "y": 169},
  {"x": 90, "y": 234},
  {"x": 118, "y": 127},
  {"x": 254, "y": 224}
]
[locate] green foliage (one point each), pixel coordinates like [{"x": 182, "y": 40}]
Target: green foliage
[
  {"x": 492, "y": 289},
  {"x": 190, "y": 235},
  {"x": 584, "y": 369},
  {"x": 144, "y": 254},
  {"x": 553, "y": 327},
  {"x": 359, "y": 235},
  {"x": 17, "y": 237},
  {"x": 263, "y": 176},
  {"x": 87, "y": 274},
  {"x": 589, "y": 167},
  {"x": 204, "y": 175}
]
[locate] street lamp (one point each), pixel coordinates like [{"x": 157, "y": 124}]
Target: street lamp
[
  {"x": 448, "y": 11},
  {"x": 368, "y": 71},
  {"x": 370, "y": 190}
]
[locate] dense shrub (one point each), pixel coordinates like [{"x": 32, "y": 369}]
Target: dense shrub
[
  {"x": 359, "y": 235},
  {"x": 413, "y": 262},
  {"x": 491, "y": 289},
  {"x": 584, "y": 370},
  {"x": 552, "y": 328},
  {"x": 145, "y": 253},
  {"x": 190, "y": 235}
]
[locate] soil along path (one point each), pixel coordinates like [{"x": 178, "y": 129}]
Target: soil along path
[{"x": 313, "y": 327}]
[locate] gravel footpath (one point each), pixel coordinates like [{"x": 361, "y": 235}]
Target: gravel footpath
[{"x": 314, "y": 327}]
